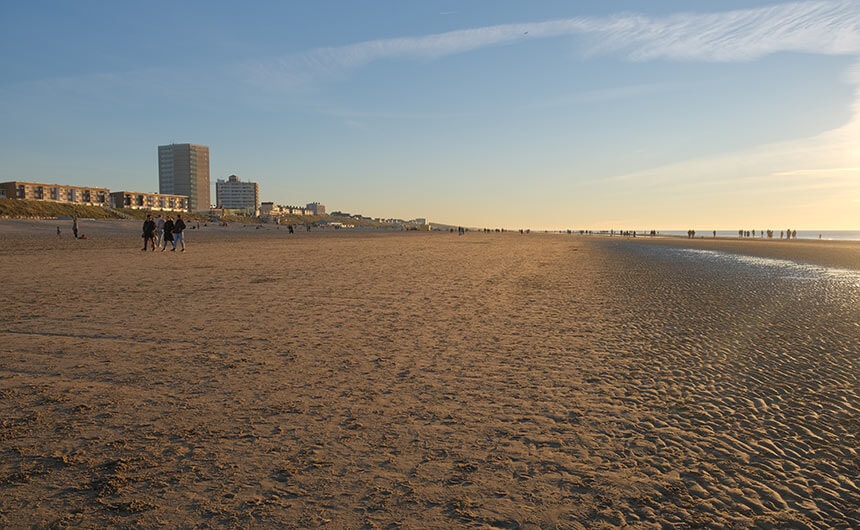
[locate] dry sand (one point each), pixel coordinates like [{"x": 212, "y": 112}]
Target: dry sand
[{"x": 351, "y": 380}]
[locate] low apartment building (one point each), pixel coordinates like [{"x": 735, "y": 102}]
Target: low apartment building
[
  {"x": 316, "y": 208},
  {"x": 149, "y": 201},
  {"x": 35, "y": 191},
  {"x": 233, "y": 194}
]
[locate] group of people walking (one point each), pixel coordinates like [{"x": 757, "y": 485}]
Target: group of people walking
[{"x": 157, "y": 232}]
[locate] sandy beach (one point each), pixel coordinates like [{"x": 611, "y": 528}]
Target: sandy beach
[{"x": 381, "y": 380}]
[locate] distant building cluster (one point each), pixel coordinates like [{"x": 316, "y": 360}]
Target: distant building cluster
[
  {"x": 421, "y": 221},
  {"x": 183, "y": 185},
  {"x": 272, "y": 213}
]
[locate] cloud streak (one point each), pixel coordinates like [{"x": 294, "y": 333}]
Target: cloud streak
[{"x": 823, "y": 27}]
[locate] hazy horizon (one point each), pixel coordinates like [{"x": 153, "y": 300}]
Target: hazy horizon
[{"x": 715, "y": 116}]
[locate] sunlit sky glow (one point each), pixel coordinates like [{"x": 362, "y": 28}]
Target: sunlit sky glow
[{"x": 557, "y": 114}]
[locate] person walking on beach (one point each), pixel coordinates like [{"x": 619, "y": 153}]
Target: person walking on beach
[
  {"x": 178, "y": 227},
  {"x": 159, "y": 230},
  {"x": 75, "y": 227},
  {"x": 168, "y": 234},
  {"x": 58, "y": 232},
  {"x": 148, "y": 233}
]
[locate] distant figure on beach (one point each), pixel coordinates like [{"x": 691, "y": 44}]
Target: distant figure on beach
[
  {"x": 168, "y": 234},
  {"x": 794, "y": 234},
  {"x": 460, "y": 231},
  {"x": 148, "y": 233},
  {"x": 58, "y": 231},
  {"x": 290, "y": 228},
  {"x": 715, "y": 233},
  {"x": 159, "y": 230},
  {"x": 178, "y": 227},
  {"x": 75, "y": 227},
  {"x": 308, "y": 227}
]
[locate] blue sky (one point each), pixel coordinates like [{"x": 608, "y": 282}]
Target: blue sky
[{"x": 707, "y": 114}]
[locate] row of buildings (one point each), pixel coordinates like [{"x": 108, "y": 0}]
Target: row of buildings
[
  {"x": 87, "y": 196},
  {"x": 183, "y": 185},
  {"x": 271, "y": 212}
]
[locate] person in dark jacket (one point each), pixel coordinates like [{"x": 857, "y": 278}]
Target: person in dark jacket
[
  {"x": 168, "y": 234},
  {"x": 178, "y": 227},
  {"x": 148, "y": 233}
]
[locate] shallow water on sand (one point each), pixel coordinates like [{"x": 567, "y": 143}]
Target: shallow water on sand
[{"x": 726, "y": 263}]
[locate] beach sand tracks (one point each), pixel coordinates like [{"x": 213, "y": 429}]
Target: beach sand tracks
[{"x": 424, "y": 380}]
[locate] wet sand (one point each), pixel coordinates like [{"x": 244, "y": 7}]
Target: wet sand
[{"x": 350, "y": 380}]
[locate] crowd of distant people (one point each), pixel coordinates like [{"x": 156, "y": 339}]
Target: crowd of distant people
[{"x": 783, "y": 234}]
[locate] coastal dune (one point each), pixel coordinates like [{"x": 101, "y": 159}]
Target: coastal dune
[{"x": 412, "y": 379}]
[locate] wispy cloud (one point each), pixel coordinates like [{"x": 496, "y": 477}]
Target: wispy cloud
[
  {"x": 829, "y": 160},
  {"x": 824, "y": 27}
]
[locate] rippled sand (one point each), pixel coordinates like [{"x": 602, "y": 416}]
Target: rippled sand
[{"x": 377, "y": 380}]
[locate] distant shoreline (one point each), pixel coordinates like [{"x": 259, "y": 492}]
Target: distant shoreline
[
  {"x": 843, "y": 254},
  {"x": 120, "y": 233}
]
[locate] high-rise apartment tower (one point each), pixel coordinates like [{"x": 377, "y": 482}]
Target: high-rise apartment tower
[{"x": 183, "y": 169}]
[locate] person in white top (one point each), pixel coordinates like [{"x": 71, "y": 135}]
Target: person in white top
[{"x": 159, "y": 230}]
